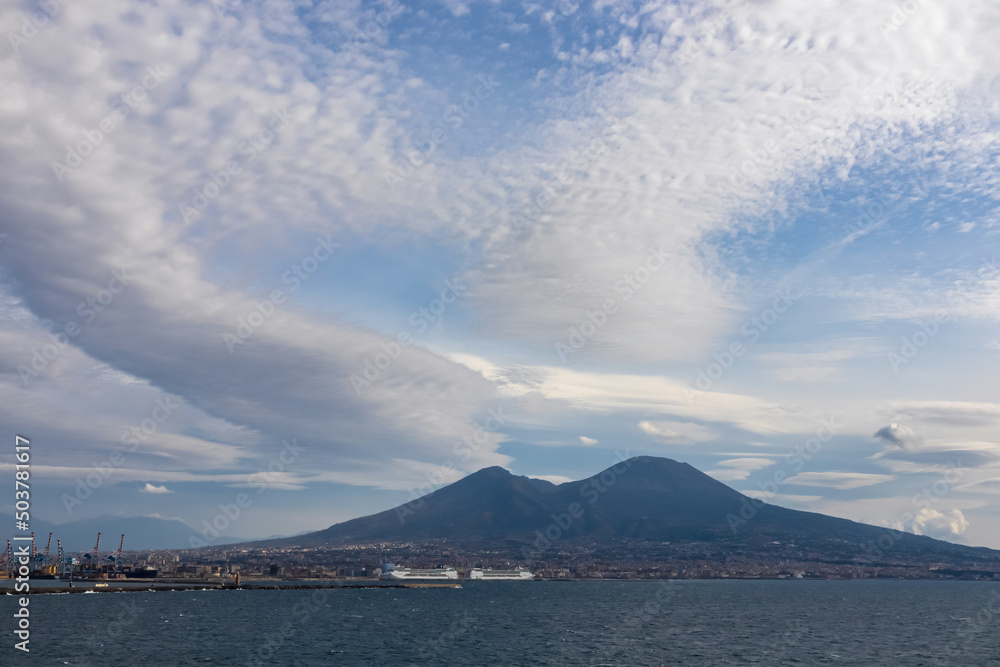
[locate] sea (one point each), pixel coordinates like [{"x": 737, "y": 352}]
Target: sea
[{"x": 590, "y": 623}]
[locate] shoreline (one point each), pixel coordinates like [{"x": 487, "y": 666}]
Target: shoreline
[{"x": 56, "y": 590}]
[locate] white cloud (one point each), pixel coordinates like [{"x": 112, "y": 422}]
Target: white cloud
[
  {"x": 989, "y": 485},
  {"x": 783, "y": 499},
  {"x": 807, "y": 374},
  {"x": 589, "y": 442},
  {"x": 839, "y": 480},
  {"x": 739, "y": 468},
  {"x": 747, "y": 463},
  {"x": 950, "y": 413},
  {"x": 684, "y": 433},
  {"x": 152, "y": 488},
  {"x": 607, "y": 393},
  {"x": 555, "y": 479},
  {"x": 728, "y": 474},
  {"x": 948, "y": 525}
]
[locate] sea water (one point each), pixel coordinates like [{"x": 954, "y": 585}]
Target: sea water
[{"x": 628, "y": 623}]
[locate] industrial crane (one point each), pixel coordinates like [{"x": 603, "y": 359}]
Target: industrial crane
[
  {"x": 118, "y": 556},
  {"x": 93, "y": 558},
  {"x": 114, "y": 560},
  {"x": 42, "y": 560},
  {"x": 62, "y": 559}
]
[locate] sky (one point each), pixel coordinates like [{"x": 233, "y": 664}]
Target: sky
[{"x": 333, "y": 255}]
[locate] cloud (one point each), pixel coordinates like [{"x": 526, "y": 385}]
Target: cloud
[
  {"x": 739, "y": 468},
  {"x": 747, "y": 463},
  {"x": 990, "y": 485},
  {"x": 608, "y": 393},
  {"x": 950, "y": 413},
  {"x": 555, "y": 479},
  {"x": 948, "y": 525},
  {"x": 897, "y": 434},
  {"x": 779, "y": 498},
  {"x": 152, "y": 488},
  {"x": 808, "y": 374},
  {"x": 588, "y": 441},
  {"x": 839, "y": 480},
  {"x": 728, "y": 474},
  {"x": 684, "y": 433},
  {"x": 938, "y": 456}
]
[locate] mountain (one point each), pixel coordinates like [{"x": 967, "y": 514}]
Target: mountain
[
  {"x": 645, "y": 498},
  {"x": 141, "y": 533}
]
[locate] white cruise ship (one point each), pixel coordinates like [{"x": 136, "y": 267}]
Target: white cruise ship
[
  {"x": 501, "y": 575},
  {"x": 392, "y": 573}
]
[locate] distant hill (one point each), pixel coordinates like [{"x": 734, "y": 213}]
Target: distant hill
[
  {"x": 140, "y": 533},
  {"x": 644, "y": 498}
]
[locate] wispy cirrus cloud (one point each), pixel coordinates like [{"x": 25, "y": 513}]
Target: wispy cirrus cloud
[{"x": 839, "y": 480}]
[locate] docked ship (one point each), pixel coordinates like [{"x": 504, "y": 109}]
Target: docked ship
[
  {"x": 518, "y": 574},
  {"x": 391, "y": 572}
]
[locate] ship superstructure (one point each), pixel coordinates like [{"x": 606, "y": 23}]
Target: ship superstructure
[
  {"x": 518, "y": 574},
  {"x": 392, "y": 572}
]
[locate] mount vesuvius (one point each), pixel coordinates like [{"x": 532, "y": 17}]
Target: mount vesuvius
[{"x": 641, "y": 499}]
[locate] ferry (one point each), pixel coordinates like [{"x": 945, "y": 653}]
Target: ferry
[
  {"x": 518, "y": 574},
  {"x": 391, "y": 572}
]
